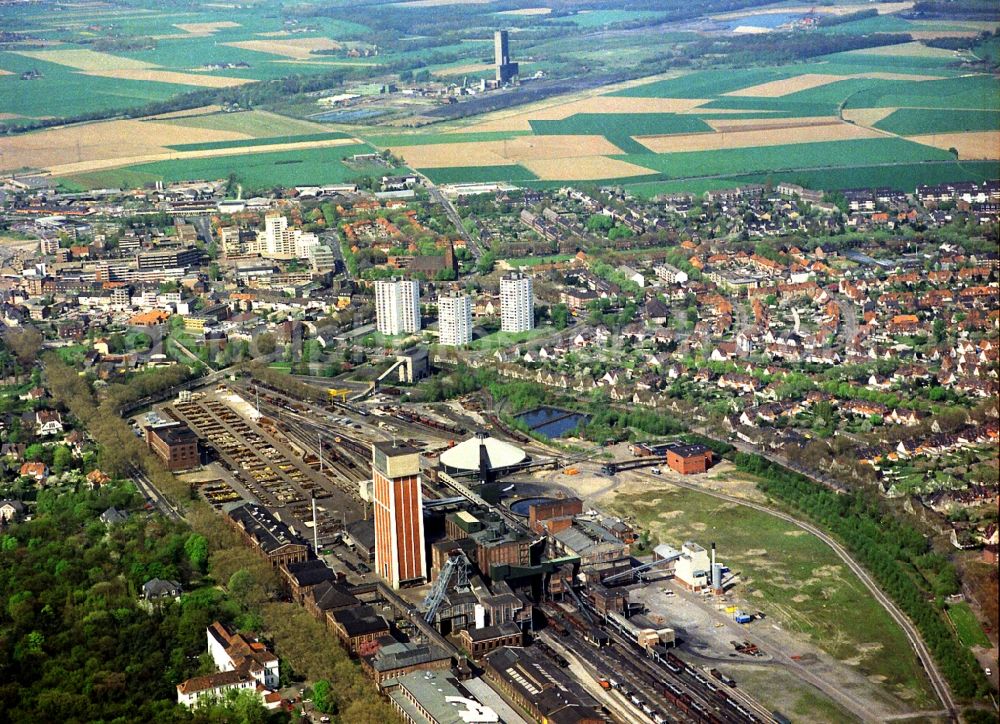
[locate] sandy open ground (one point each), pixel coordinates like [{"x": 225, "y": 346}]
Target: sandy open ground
[
  {"x": 84, "y": 59},
  {"x": 724, "y": 125},
  {"x": 867, "y": 116},
  {"x": 748, "y": 139},
  {"x": 583, "y": 168},
  {"x": 170, "y": 76},
  {"x": 883, "y": 9},
  {"x": 5, "y": 72},
  {"x": 8, "y": 116},
  {"x": 298, "y": 49},
  {"x": 787, "y": 86},
  {"x": 101, "y": 141},
  {"x": 505, "y": 153},
  {"x": 970, "y": 145},
  {"x": 437, "y": 3},
  {"x": 526, "y": 11},
  {"x": 594, "y": 104}
]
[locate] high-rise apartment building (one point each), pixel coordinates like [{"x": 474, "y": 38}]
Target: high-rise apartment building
[
  {"x": 455, "y": 319},
  {"x": 517, "y": 303},
  {"x": 277, "y": 241},
  {"x": 400, "y": 557},
  {"x": 397, "y": 306}
]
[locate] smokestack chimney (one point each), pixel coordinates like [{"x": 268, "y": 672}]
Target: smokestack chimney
[
  {"x": 713, "y": 555},
  {"x": 315, "y": 529}
]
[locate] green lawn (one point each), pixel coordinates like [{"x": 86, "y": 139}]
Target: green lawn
[
  {"x": 707, "y": 83},
  {"x": 397, "y": 140},
  {"x": 970, "y": 632},
  {"x": 536, "y": 260},
  {"x": 793, "y": 577},
  {"x": 506, "y": 340}
]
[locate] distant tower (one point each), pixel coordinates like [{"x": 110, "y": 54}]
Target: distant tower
[
  {"x": 399, "y": 520},
  {"x": 504, "y": 68}
]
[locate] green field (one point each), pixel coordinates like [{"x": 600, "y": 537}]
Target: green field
[
  {"x": 915, "y": 121},
  {"x": 477, "y": 174},
  {"x": 620, "y": 127},
  {"x": 793, "y": 577},
  {"x": 778, "y": 158},
  {"x": 259, "y": 124},
  {"x": 707, "y": 83},
  {"x": 62, "y": 92},
  {"x": 273, "y": 141},
  {"x": 966, "y": 92},
  {"x": 970, "y": 633},
  {"x": 905, "y": 177},
  {"x": 267, "y": 170}
]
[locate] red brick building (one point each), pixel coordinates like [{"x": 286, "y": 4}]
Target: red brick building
[
  {"x": 175, "y": 444},
  {"x": 689, "y": 459}
]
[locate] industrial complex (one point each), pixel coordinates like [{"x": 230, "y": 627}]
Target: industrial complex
[{"x": 433, "y": 558}]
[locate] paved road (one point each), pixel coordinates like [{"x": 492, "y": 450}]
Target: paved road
[
  {"x": 912, "y": 635},
  {"x": 449, "y": 208},
  {"x": 146, "y": 487}
]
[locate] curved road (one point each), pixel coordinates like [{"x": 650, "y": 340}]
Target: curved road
[{"x": 923, "y": 654}]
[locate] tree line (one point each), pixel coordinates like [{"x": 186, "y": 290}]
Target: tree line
[{"x": 895, "y": 553}]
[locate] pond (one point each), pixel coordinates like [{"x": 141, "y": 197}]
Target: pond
[{"x": 552, "y": 421}]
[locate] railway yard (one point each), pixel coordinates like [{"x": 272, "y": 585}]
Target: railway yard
[{"x": 284, "y": 452}]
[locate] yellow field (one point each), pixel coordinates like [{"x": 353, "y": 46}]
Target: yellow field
[
  {"x": 867, "y": 116},
  {"x": 460, "y": 69},
  {"x": 787, "y": 86},
  {"x": 100, "y": 141},
  {"x": 69, "y": 169},
  {"x": 583, "y": 168},
  {"x": 748, "y": 139},
  {"x": 931, "y": 34},
  {"x": 506, "y": 153},
  {"x": 200, "y": 111},
  {"x": 83, "y": 59},
  {"x": 205, "y": 28},
  {"x": 298, "y": 49},
  {"x": 914, "y": 50},
  {"x": 970, "y": 145},
  {"x": 725, "y": 125},
  {"x": 593, "y": 104},
  {"x": 170, "y": 76}
]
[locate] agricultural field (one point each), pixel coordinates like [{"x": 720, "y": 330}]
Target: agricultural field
[
  {"x": 793, "y": 577},
  {"x": 884, "y": 113},
  {"x": 258, "y": 170}
]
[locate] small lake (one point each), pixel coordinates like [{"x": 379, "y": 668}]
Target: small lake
[
  {"x": 552, "y": 421},
  {"x": 770, "y": 20}
]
